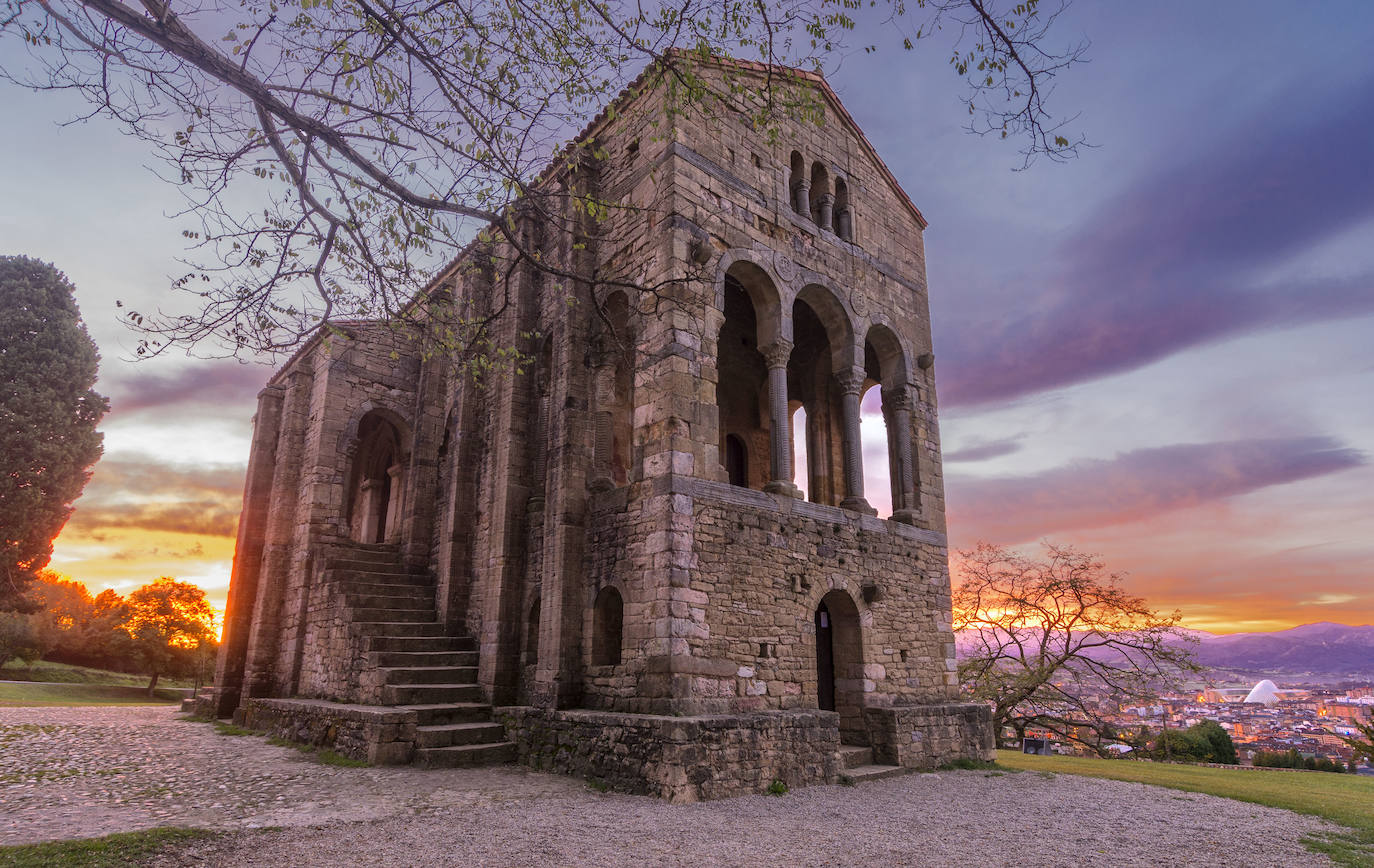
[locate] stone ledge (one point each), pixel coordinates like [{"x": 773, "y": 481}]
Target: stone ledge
[
  {"x": 377, "y": 734},
  {"x": 681, "y": 759}
]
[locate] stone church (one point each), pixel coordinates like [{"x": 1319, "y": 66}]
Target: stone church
[{"x": 597, "y": 559}]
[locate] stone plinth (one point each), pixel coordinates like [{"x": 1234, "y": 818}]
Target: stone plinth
[
  {"x": 928, "y": 736},
  {"x": 378, "y": 735},
  {"x": 681, "y": 759}
]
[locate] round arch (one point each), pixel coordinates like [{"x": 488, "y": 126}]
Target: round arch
[{"x": 840, "y": 662}]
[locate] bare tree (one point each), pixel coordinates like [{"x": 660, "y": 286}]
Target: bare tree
[
  {"x": 337, "y": 152},
  {"x": 1047, "y": 640}
]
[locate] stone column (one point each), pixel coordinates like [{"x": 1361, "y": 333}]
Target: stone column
[
  {"x": 801, "y": 197},
  {"x": 827, "y": 205},
  {"x": 851, "y": 384},
  {"x": 370, "y": 497},
  {"x": 392, "y": 531},
  {"x": 844, "y": 224},
  {"x": 780, "y": 467},
  {"x": 897, "y": 410}
]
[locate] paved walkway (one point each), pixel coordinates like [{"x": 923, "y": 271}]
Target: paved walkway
[{"x": 77, "y": 772}]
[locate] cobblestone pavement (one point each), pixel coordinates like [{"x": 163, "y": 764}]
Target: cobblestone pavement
[{"x": 77, "y": 772}]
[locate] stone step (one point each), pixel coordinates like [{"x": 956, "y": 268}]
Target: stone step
[
  {"x": 860, "y": 774},
  {"x": 429, "y": 694},
  {"x": 463, "y": 755},
  {"x": 363, "y": 602},
  {"x": 392, "y": 627},
  {"x": 363, "y": 616},
  {"x": 419, "y": 644},
  {"x": 411, "y": 675},
  {"x": 441, "y": 657},
  {"x": 395, "y": 575},
  {"x": 383, "y": 589},
  {"x": 449, "y": 734},
  {"x": 439, "y": 714},
  {"x": 853, "y": 756}
]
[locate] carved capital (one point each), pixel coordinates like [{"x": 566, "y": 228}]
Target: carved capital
[
  {"x": 897, "y": 399},
  {"x": 801, "y": 184},
  {"x": 777, "y": 353},
  {"x": 851, "y": 381},
  {"x": 825, "y": 200}
]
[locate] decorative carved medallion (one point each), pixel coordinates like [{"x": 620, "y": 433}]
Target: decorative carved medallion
[{"x": 858, "y": 302}]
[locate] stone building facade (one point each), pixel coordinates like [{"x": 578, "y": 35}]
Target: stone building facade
[{"x": 600, "y": 563}]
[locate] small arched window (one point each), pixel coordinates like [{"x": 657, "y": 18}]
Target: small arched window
[
  {"x": 607, "y": 625},
  {"x": 844, "y": 217},
  {"x": 796, "y": 185}
]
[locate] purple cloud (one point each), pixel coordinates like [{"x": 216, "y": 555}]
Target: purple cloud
[
  {"x": 225, "y": 382},
  {"x": 1180, "y": 258},
  {"x": 984, "y": 450},
  {"x": 1135, "y": 485}
]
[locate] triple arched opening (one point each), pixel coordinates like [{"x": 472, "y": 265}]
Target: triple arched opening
[
  {"x": 824, "y": 199},
  {"x": 789, "y": 407}
]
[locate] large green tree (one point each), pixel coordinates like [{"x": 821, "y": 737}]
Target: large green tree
[
  {"x": 378, "y": 135},
  {"x": 169, "y": 622},
  {"x": 48, "y": 413}
]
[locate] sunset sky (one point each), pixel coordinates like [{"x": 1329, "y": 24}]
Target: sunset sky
[{"x": 1162, "y": 351}]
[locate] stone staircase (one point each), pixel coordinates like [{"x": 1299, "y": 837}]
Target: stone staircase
[
  {"x": 421, "y": 669},
  {"x": 858, "y": 765}
]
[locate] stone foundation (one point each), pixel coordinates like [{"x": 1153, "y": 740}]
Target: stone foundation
[
  {"x": 928, "y": 736},
  {"x": 381, "y": 736},
  {"x": 681, "y": 759}
]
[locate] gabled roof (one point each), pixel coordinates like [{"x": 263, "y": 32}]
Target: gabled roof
[{"x": 635, "y": 88}]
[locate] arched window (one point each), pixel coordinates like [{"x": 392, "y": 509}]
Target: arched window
[
  {"x": 607, "y": 626},
  {"x": 822, "y": 200},
  {"x": 736, "y": 461},
  {"x": 844, "y": 216},
  {"x": 797, "y": 185}
]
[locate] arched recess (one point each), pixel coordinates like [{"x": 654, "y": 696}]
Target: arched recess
[
  {"x": 885, "y": 366},
  {"x": 823, "y": 344},
  {"x": 844, "y": 215},
  {"x": 376, "y": 480},
  {"x": 798, "y": 184},
  {"x": 608, "y": 625},
  {"x": 822, "y": 199},
  {"x": 751, "y": 308},
  {"x": 840, "y": 664}
]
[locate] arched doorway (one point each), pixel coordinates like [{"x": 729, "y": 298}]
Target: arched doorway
[
  {"x": 377, "y": 480},
  {"x": 839, "y": 664}
]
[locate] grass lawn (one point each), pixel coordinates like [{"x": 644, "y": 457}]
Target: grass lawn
[
  {"x": 1344, "y": 799},
  {"x": 44, "y": 670},
  {"x": 28, "y": 694},
  {"x": 111, "y": 851}
]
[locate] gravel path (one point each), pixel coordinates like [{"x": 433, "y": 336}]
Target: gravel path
[{"x": 76, "y": 772}]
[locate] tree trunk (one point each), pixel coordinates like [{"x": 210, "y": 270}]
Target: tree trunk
[{"x": 152, "y": 685}]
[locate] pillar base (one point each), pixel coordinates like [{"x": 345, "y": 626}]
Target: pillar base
[
  {"x": 783, "y": 487},
  {"x": 906, "y": 516},
  {"x": 858, "y": 504}
]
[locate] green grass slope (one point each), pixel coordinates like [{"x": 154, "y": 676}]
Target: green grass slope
[{"x": 1344, "y": 799}]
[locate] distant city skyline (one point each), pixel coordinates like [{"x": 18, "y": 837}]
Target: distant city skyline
[{"x": 1159, "y": 351}]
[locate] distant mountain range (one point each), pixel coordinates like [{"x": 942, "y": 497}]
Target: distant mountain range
[
  {"x": 1323, "y": 648},
  {"x": 1321, "y": 651}
]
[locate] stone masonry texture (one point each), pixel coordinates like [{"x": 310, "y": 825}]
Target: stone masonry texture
[{"x": 602, "y": 546}]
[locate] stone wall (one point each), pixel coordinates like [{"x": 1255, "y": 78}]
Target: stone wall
[
  {"x": 681, "y": 759},
  {"x": 381, "y": 736},
  {"x": 929, "y": 736}
]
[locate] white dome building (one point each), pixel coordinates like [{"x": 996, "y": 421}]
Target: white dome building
[{"x": 1264, "y": 693}]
